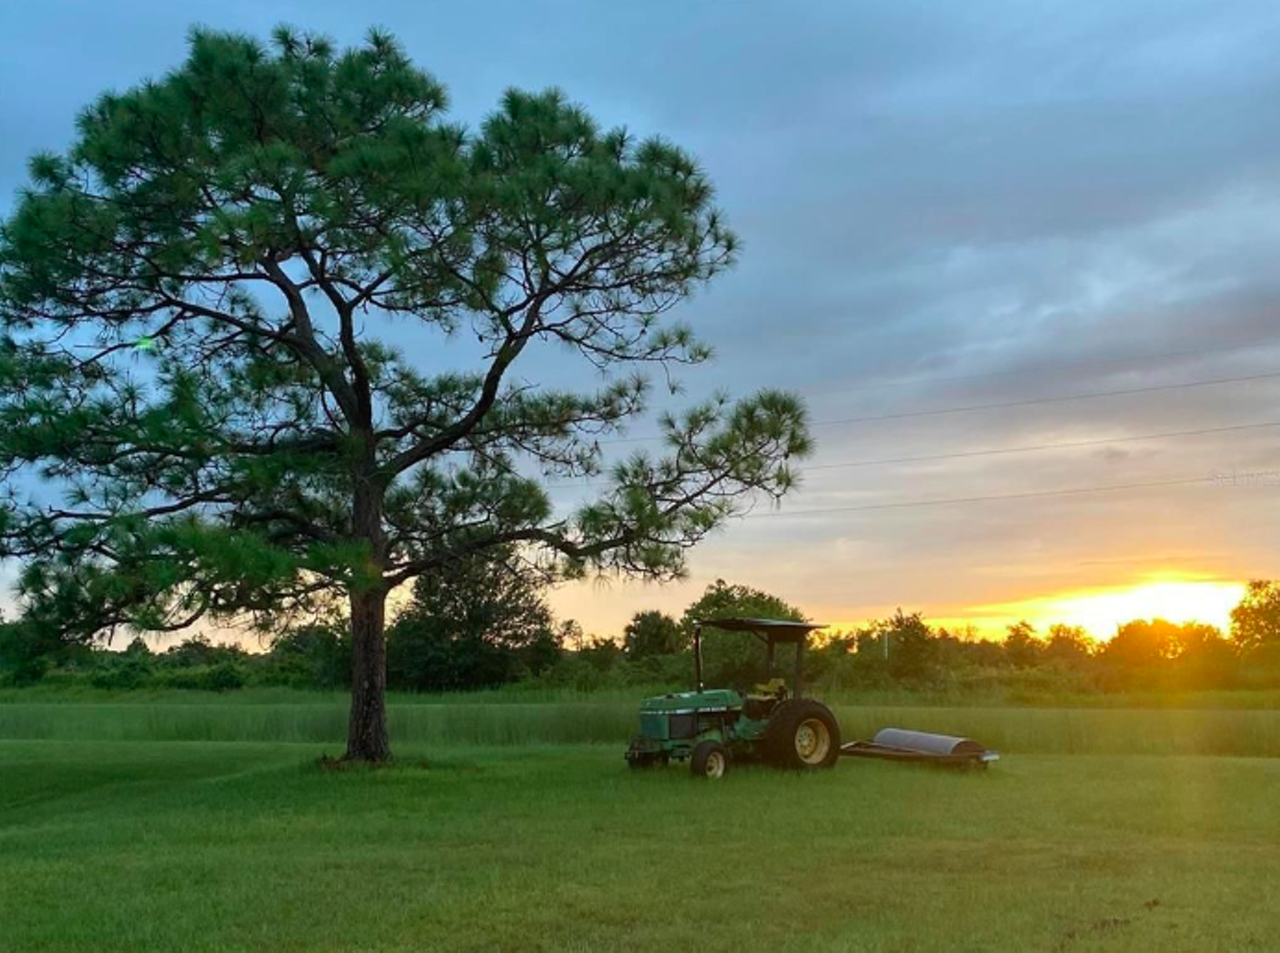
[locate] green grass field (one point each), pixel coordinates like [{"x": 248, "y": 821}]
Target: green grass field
[
  {"x": 323, "y": 719},
  {"x": 499, "y": 839}
]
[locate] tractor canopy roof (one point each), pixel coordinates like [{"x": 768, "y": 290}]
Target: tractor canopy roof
[{"x": 777, "y": 630}]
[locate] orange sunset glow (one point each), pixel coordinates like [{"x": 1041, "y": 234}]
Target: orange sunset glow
[{"x": 1175, "y": 598}]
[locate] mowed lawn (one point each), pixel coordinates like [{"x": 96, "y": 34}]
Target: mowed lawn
[{"x": 233, "y": 845}]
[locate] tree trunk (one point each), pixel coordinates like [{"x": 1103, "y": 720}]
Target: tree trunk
[
  {"x": 367, "y": 731},
  {"x": 367, "y": 738}
]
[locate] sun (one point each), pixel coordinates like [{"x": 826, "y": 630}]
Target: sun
[{"x": 1100, "y": 610}]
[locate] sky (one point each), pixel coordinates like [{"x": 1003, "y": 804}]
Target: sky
[{"x": 943, "y": 207}]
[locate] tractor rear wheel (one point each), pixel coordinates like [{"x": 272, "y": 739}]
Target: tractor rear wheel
[
  {"x": 710, "y": 760},
  {"x": 802, "y": 734}
]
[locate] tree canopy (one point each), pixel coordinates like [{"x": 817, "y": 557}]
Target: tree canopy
[
  {"x": 735, "y": 657},
  {"x": 1255, "y": 621},
  {"x": 480, "y": 622},
  {"x": 200, "y": 309},
  {"x": 1021, "y": 644},
  {"x": 652, "y": 633}
]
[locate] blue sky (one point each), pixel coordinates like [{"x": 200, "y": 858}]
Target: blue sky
[{"x": 942, "y": 205}]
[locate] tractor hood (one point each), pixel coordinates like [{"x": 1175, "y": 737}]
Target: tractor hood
[{"x": 716, "y": 699}]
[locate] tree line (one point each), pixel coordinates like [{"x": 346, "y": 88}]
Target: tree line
[{"x": 480, "y": 625}]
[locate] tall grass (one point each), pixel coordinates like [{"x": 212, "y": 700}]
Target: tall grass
[
  {"x": 533, "y": 693},
  {"x": 1085, "y": 731},
  {"x": 1041, "y": 731},
  {"x": 521, "y": 694},
  {"x": 317, "y": 723}
]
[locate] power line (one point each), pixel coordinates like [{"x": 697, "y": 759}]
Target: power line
[
  {"x": 1030, "y": 402},
  {"x": 1029, "y": 448},
  {"x": 997, "y": 451},
  {"x": 1033, "y": 494},
  {"x": 1054, "y": 365},
  {"x": 1034, "y": 401},
  {"x": 952, "y": 501}
]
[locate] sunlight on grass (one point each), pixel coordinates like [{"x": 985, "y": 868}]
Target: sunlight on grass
[{"x": 540, "y": 848}]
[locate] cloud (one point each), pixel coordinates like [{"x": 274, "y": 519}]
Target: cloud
[{"x": 1006, "y": 201}]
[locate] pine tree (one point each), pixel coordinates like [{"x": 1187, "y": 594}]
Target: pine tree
[{"x": 199, "y": 305}]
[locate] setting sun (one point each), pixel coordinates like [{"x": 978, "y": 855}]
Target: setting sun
[{"x": 1100, "y": 610}]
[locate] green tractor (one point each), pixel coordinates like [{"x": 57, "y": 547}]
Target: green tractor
[{"x": 711, "y": 728}]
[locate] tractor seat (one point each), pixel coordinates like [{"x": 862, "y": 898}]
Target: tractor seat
[
  {"x": 761, "y": 701},
  {"x": 774, "y": 688}
]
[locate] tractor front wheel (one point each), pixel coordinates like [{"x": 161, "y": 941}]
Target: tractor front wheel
[
  {"x": 803, "y": 734},
  {"x": 710, "y": 760}
]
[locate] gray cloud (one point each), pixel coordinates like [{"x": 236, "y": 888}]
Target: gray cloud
[{"x": 925, "y": 191}]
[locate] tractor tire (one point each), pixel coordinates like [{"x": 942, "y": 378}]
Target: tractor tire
[
  {"x": 710, "y": 760},
  {"x": 802, "y": 735}
]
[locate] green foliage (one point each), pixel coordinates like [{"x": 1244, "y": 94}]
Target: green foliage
[
  {"x": 901, "y": 649},
  {"x": 1141, "y": 646},
  {"x": 310, "y": 656},
  {"x": 197, "y": 313},
  {"x": 1069, "y": 645},
  {"x": 910, "y": 644},
  {"x": 602, "y": 655},
  {"x": 30, "y": 648},
  {"x": 125, "y": 674},
  {"x": 195, "y": 663},
  {"x": 481, "y": 625},
  {"x": 476, "y": 623},
  {"x": 1204, "y": 658},
  {"x": 138, "y": 649},
  {"x": 1022, "y": 647},
  {"x": 23, "y": 660},
  {"x": 653, "y": 633},
  {"x": 668, "y": 671},
  {"x": 735, "y": 658},
  {"x": 1255, "y": 622}
]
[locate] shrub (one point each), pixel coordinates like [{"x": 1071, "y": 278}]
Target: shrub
[
  {"x": 125, "y": 674},
  {"x": 224, "y": 677}
]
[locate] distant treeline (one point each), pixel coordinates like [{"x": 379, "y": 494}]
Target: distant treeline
[{"x": 486, "y": 626}]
